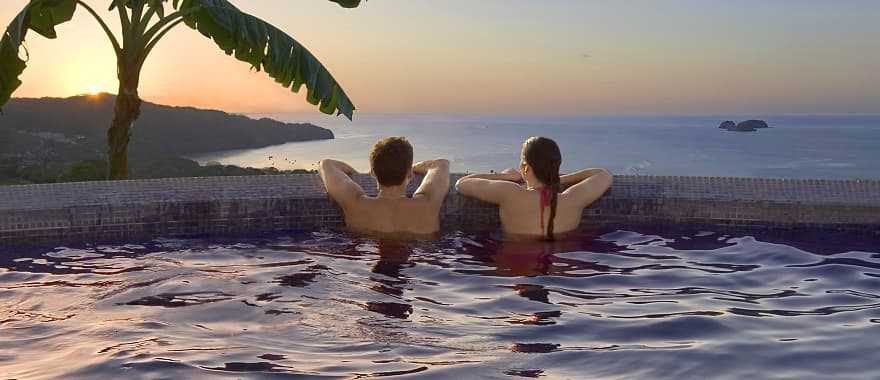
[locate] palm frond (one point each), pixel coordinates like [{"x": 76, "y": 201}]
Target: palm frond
[
  {"x": 348, "y": 3},
  {"x": 157, "y": 5}
]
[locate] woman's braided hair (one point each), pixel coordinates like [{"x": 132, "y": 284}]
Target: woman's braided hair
[{"x": 543, "y": 156}]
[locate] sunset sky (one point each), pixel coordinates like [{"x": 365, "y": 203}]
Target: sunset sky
[{"x": 512, "y": 56}]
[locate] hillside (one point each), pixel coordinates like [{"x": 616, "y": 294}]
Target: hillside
[
  {"x": 63, "y": 139},
  {"x": 161, "y": 130}
]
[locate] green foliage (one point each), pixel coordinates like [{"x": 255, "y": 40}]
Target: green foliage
[
  {"x": 8, "y": 168},
  {"x": 49, "y": 172},
  {"x": 18, "y": 172},
  {"x": 348, "y": 3},
  {"x": 157, "y": 5},
  {"x": 92, "y": 170},
  {"x": 14, "y": 172}
]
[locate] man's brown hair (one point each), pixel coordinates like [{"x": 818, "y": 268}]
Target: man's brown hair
[{"x": 391, "y": 160}]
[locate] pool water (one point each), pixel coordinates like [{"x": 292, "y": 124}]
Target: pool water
[{"x": 622, "y": 302}]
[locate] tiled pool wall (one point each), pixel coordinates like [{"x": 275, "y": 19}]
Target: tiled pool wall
[{"x": 90, "y": 212}]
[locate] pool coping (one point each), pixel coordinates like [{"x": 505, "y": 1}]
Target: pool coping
[{"x": 103, "y": 211}]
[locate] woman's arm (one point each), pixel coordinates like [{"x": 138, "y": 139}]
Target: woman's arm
[
  {"x": 578, "y": 176},
  {"x": 492, "y": 188},
  {"x": 586, "y": 186},
  {"x": 507, "y": 175}
]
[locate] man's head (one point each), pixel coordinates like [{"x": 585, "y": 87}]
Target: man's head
[{"x": 391, "y": 161}]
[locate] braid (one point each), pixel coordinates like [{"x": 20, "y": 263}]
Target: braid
[
  {"x": 543, "y": 156},
  {"x": 554, "y": 198}
]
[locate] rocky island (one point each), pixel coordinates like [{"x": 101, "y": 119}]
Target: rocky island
[{"x": 745, "y": 126}]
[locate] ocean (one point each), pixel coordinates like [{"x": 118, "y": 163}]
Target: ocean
[{"x": 796, "y": 146}]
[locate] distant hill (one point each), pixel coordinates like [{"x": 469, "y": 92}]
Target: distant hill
[
  {"x": 64, "y": 140},
  {"x": 161, "y": 130}
]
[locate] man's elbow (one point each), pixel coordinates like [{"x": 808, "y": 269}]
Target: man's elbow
[{"x": 442, "y": 165}]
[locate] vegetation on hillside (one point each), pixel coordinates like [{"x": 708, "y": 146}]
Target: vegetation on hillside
[{"x": 17, "y": 172}]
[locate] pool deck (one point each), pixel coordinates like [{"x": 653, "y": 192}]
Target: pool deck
[{"x": 91, "y": 212}]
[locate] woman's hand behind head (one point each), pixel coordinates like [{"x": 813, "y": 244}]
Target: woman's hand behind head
[{"x": 511, "y": 175}]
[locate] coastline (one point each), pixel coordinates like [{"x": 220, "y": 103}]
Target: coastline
[{"x": 823, "y": 146}]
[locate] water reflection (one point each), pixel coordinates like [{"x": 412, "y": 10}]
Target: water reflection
[
  {"x": 531, "y": 258},
  {"x": 338, "y": 305},
  {"x": 393, "y": 257}
]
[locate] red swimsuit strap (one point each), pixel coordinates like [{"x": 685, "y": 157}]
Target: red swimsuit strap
[{"x": 545, "y": 201}]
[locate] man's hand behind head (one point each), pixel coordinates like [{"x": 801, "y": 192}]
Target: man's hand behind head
[{"x": 424, "y": 166}]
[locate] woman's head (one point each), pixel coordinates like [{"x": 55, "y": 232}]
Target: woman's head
[{"x": 540, "y": 162}]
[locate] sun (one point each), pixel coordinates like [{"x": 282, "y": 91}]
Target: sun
[{"x": 93, "y": 91}]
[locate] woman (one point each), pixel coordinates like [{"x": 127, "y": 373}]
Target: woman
[{"x": 548, "y": 204}]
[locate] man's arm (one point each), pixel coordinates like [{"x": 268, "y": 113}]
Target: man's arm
[
  {"x": 435, "y": 185},
  {"x": 492, "y": 188},
  {"x": 586, "y": 186},
  {"x": 337, "y": 180}
]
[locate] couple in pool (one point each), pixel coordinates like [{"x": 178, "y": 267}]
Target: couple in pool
[{"x": 535, "y": 201}]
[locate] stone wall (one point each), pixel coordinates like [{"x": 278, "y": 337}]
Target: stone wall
[{"x": 75, "y": 213}]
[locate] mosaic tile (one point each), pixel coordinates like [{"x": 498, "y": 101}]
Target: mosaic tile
[{"x": 83, "y": 212}]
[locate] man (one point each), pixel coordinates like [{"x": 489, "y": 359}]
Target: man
[{"x": 391, "y": 211}]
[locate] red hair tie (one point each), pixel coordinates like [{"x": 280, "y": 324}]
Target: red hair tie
[{"x": 545, "y": 201}]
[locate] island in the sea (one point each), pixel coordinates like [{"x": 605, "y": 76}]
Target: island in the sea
[
  {"x": 744, "y": 126},
  {"x": 64, "y": 139}
]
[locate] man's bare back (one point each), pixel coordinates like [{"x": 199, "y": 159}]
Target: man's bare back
[
  {"x": 391, "y": 211},
  {"x": 403, "y": 215}
]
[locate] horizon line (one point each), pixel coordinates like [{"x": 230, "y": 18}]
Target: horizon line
[{"x": 537, "y": 114}]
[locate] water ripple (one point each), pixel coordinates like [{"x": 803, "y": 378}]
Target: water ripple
[{"x": 627, "y": 302}]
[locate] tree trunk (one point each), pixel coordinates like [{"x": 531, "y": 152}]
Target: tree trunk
[{"x": 128, "y": 109}]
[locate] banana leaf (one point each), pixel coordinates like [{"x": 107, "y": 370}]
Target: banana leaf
[
  {"x": 41, "y": 16},
  {"x": 347, "y": 3}
]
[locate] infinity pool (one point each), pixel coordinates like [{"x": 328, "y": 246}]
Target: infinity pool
[{"x": 623, "y": 302}]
